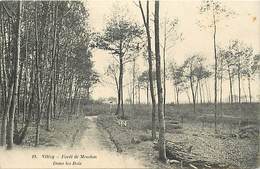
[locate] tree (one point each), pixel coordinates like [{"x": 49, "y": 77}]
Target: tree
[
  {"x": 146, "y": 21},
  {"x": 11, "y": 110},
  {"x": 119, "y": 37},
  {"x": 112, "y": 71},
  {"x": 220, "y": 73},
  {"x": 253, "y": 68},
  {"x": 161, "y": 143},
  {"x": 241, "y": 54},
  {"x": 176, "y": 74},
  {"x": 229, "y": 67},
  {"x": 195, "y": 71},
  {"x": 170, "y": 35},
  {"x": 144, "y": 82},
  {"x": 215, "y": 10},
  {"x": 45, "y": 40}
]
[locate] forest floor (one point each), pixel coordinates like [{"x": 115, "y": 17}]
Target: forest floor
[
  {"x": 79, "y": 137},
  {"x": 222, "y": 147},
  {"x": 100, "y": 142}
]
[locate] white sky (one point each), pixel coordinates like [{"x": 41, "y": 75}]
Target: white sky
[{"x": 243, "y": 27}]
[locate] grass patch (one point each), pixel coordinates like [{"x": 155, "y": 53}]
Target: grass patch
[{"x": 63, "y": 133}]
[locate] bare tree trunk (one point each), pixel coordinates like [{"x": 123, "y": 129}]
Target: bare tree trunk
[
  {"x": 249, "y": 88},
  {"x": 164, "y": 67},
  {"x": 49, "y": 111},
  {"x": 19, "y": 91},
  {"x": 147, "y": 93},
  {"x": 177, "y": 95},
  {"x": 3, "y": 83},
  {"x": 216, "y": 67},
  {"x": 133, "y": 94},
  {"x": 120, "y": 83},
  {"x": 203, "y": 92},
  {"x": 121, "y": 67},
  {"x": 200, "y": 92},
  {"x": 6, "y": 116},
  {"x": 221, "y": 94},
  {"x": 25, "y": 100},
  {"x": 118, "y": 100},
  {"x": 150, "y": 64},
  {"x": 239, "y": 85},
  {"x": 118, "y": 96},
  {"x": 38, "y": 80},
  {"x": 28, "y": 120},
  {"x": 139, "y": 94},
  {"x": 10, "y": 126},
  {"x": 70, "y": 98},
  {"x": 161, "y": 143},
  {"x": 193, "y": 93},
  {"x": 230, "y": 86},
  {"x": 53, "y": 53}
]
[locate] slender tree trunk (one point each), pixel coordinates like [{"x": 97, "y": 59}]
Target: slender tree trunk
[
  {"x": 118, "y": 100},
  {"x": 200, "y": 92},
  {"x": 6, "y": 116},
  {"x": 19, "y": 91},
  {"x": 10, "y": 126},
  {"x": 120, "y": 81},
  {"x": 1, "y": 55},
  {"x": 216, "y": 67},
  {"x": 164, "y": 67},
  {"x": 249, "y": 88},
  {"x": 150, "y": 64},
  {"x": 70, "y": 98},
  {"x": 221, "y": 94},
  {"x": 203, "y": 92},
  {"x": 161, "y": 143},
  {"x": 133, "y": 94},
  {"x": 38, "y": 80},
  {"x": 147, "y": 93},
  {"x": 139, "y": 94},
  {"x": 118, "y": 95},
  {"x": 193, "y": 93},
  {"x": 177, "y": 95},
  {"x": 207, "y": 91},
  {"x": 3, "y": 83},
  {"x": 53, "y": 53},
  {"x": 28, "y": 120},
  {"x": 121, "y": 67},
  {"x": 49, "y": 111},
  {"x": 230, "y": 86},
  {"x": 243, "y": 88},
  {"x": 26, "y": 71},
  {"x": 239, "y": 85}
]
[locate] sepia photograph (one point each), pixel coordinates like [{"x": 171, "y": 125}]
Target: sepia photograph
[{"x": 158, "y": 84}]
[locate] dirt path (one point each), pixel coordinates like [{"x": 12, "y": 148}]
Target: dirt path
[
  {"x": 95, "y": 138},
  {"x": 96, "y": 141}
]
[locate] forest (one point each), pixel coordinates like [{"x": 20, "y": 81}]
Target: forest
[{"x": 48, "y": 79}]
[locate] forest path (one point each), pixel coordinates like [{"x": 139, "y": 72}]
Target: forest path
[
  {"x": 94, "y": 138},
  {"x": 96, "y": 142},
  {"x": 91, "y": 148}
]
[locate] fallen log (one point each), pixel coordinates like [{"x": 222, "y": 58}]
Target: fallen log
[{"x": 178, "y": 153}]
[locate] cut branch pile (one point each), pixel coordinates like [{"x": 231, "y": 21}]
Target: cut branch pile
[{"x": 176, "y": 153}]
